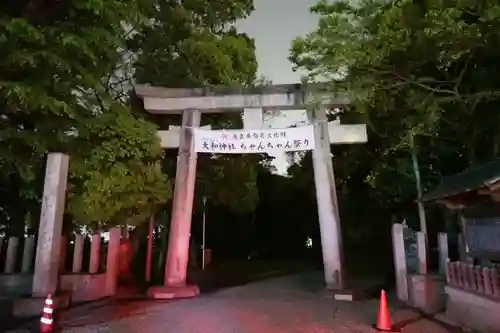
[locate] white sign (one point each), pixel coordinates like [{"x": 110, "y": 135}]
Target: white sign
[{"x": 255, "y": 141}]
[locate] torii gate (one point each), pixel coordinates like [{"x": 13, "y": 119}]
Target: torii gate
[{"x": 191, "y": 103}]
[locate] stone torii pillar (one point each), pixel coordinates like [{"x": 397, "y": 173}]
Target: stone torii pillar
[
  {"x": 45, "y": 277},
  {"x": 180, "y": 226},
  {"x": 325, "y": 134}
]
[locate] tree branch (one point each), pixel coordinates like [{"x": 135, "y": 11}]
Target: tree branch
[{"x": 418, "y": 83}]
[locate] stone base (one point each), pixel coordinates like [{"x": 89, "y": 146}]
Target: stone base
[
  {"x": 342, "y": 295},
  {"x": 392, "y": 330},
  {"x": 426, "y": 292},
  {"x": 356, "y": 291},
  {"x": 33, "y": 306},
  {"x": 16, "y": 285},
  {"x": 471, "y": 310},
  {"x": 84, "y": 287},
  {"x": 168, "y": 292}
]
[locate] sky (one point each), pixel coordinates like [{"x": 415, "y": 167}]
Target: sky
[{"x": 274, "y": 24}]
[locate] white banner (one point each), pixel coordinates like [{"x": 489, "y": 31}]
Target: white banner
[{"x": 254, "y": 141}]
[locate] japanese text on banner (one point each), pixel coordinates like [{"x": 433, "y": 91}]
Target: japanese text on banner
[{"x": 254, "y": 141}]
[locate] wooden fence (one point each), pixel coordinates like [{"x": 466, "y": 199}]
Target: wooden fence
[{"x": 481, "y": 280}]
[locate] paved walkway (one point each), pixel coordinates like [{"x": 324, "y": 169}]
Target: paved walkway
[{"x": 281, "y": 305}]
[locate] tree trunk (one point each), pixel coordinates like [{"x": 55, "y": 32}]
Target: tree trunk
[
  {"x": 418, "y": 183},
  {"x": 471, "y": 151}
]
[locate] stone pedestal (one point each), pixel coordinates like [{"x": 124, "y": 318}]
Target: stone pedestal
[
  {"x": 112, "y": 264},
  {"x": 11, "y": 257},
  {"x": 29, "y": 246},
  {"x": 78, "y": 254},
  {"x": 401, "y": 272},
  {"x": 49, "y": 233},
  {"x": 422, "y": 252},
  {"x": 443, "y": 252},
  {"x": 95, "y": 254}
]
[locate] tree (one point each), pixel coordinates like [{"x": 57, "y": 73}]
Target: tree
[
  {"x": 193, "y": 44},
  {"x": 117, "y": 178},
  {"x": 56, "y": 57},
  {"x": 414, "y": 70}
]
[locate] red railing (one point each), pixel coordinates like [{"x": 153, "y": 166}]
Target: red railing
[{"x": 482, "y": 280}]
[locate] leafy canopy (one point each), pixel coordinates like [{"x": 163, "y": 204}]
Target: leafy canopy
[
  {"x": 422, "y": 75},
  {"x": 193, "y": 44},
  {"x": 119, "y": 178},
  {"x": 57, "y": 57}
]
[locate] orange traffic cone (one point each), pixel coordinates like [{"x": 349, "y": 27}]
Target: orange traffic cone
[
  {"x": 384, "y": 318},
  {"x": 46, "y": 321}
]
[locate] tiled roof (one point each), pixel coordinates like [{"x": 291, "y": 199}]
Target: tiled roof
[{"x": 466, "y": 181}]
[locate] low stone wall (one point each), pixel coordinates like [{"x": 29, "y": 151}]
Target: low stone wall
[
  {"x": 426, "y": 292},
  {"x": 12, "y": 285},
  {"x": 93, "y": 286},
  {"x": 33, "y": 306},
  {"x": 475, "y": 311},
  {"x": 84, "y": 287},
  {"x": 74, "y": 288}
]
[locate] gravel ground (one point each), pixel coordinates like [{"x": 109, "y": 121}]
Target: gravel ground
[{"x": 286, "y": 304}]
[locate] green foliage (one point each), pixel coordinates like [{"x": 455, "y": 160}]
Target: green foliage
[
  {"x": 414, "y": 62},
  {"x": 421, "y": 69},
  {"x": 57, "y": 57},
  {"x": 192, "y": 44},
  {"x": 231, "y": 181},
  {"x": 117, "y": 177}
]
